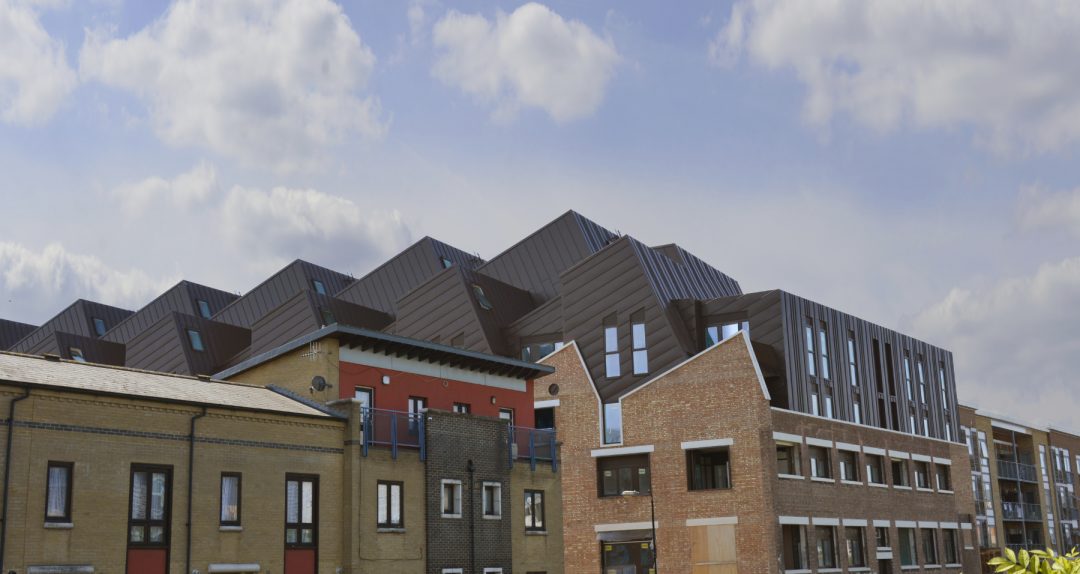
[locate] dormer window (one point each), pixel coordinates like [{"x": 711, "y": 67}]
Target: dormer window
[
  {"x": 99, "y": 326},
  {"x": 76, "y": 354},
  {"x": 446, "y": 263},
  {"x": 204, "y": 308},
  {"x": 319, "y": 287},
  {"x": 481, "y": 298},
  {"x": 717, "y": 333},
  {"x": 327, "y": 316},
  {"x": 611, "y": 347},
  {"x": 195, "y": 339},
  {"x": 641, "y": 352}
]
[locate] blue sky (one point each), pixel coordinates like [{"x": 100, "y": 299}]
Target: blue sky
[{"x": 913, "y": 164}]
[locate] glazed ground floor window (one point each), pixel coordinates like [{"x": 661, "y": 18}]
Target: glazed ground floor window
[{"x": 634, "y": 557}]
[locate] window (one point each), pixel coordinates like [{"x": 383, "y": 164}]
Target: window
[
  {"x": 815, "y": 408},
  {"x": 849, "y": 465},
  {"x": 451, "y": 498},
  {"x": 907, "y": 377},
  {"x": 881, "y": 535},
  {"x": 708, "y": 469},
  {"x": 58, "y": 492},
  {"x": 875, "y": 468},
  {"x": 619, "y": 474},
  {"x": 492, "y": 500},
  {"x": 612, "y": 423},
  {"x": 794, "y": 540},
  {"x": 150, "y": 501},
  {"x": 948, "y": 545},
  {"x": 327, "y": 316},
  {"x": 507, "y": 415},
  {"x": 857, "y": 410},
  {"x": 481, "y": 298},
  {"x": 856, "y": 547},
  {"x": 462, "y": 408},
  {"x": 944, "y": 387},
  {"x": 417, "y": 405},
  {"x": 925, "y": 425},
  {"x": 810, "y": 355},
  {"x": 99, "y": 326},
  {"x": 820, "y": 466},
  {"x": 823, "y": 348},
  {"x": 611, "y": 348},
  {"x": 922, "y": 474},
  {"x": 493, "y": 571},
  {"x": 929, "y": 540},
  {"x": 535, "y": 351},
  {"x": 195, "y": 338},
  {"x": 907, "y": 547},
  {"x": 828, "y": 403},
  {"x": 853, "y": 366},
  {"x": 230, "y": 499},
  {"x": 826, "y": 546},
  {"x": 714, "y": 334},
  {"x": 920, "y": 370},
  {"x": 544, "y": 418},
  {"x": 204, "y": 308},
  {"x": 301, "y": 509},
  {"x": 913, "y": 428},
  {"x": 446, "y": 263},
  {"x": 641, "y": 353},
  {"x": 534, "y": 511},
  {"x": 319, "y": 287},
  {"x": 390, "y": 514},
  {"x": 942, "y": 473},
  {"x": 76, "y": 354},
  {"x": 787, "y": 459},
  {"x": 900, "y": 473}
]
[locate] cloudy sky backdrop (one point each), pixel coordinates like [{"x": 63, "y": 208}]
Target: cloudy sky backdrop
[{"x": 936, "y": 143}]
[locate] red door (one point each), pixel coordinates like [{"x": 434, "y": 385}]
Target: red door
[
  {"x": 150, "y": 509},
  {"x": 301, "y": 523}
]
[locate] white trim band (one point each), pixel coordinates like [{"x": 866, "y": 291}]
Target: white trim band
[
  {"x": 950, "y": 525},
  {"x": 711, "y": 443},
  {"x": 620, "y": 526},
  {"x": 874, "y": 450},
  {"x": 899, "y": 454},
  {"x": 819, "y": 521},
  {"x": 921, "y": 458},
  {"x": 927, "y": 524},
  {"x": 848, "y": 446},
  {"x": 787, "y": 437},
  {"x": 795, "y": 520},
  {"x": 621, "y": 450},
  {"x": 233, "y": 568},
  {"x": 548, "y": 404},
  {"x": 906, "y": 524},
  {"x": 854, "y": 522},
  {"x": 712, "y": 521},
  {"x": 811, "y": 441},
  {"x": 882, "y": 523},
  {"x": 944, "y": 461}
]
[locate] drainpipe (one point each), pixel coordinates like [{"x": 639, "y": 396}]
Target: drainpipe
[
  {"x": 190, "y": 485},
  {"x": 7, "y": 470},
  {"x": 472, "y": 519}
]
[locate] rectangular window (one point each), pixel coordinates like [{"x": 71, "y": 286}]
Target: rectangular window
[
  {"x": 913, "y": 426},
  {"x": 853, "y": 365},
  {"x": 920, "y": 370},
  {"x": 922, "y": 474},
  {"x": 856, "y": 547},
  {"x": 900, "y": 473},
  {"x": 828, "y": 402},
  {"x": 301, "y": 511},
  {"x": 417, "y": 405},
  {"x": 857, "y": 410},
  {"x": 787, "y": 459},
  {"x": 544, "y": 418},
  {"x": 492, "y": 500},
  {"x": 944, "y": 480},
  {"x": 641, "y": 353},
  {"x": 708, "y": 469},
  {"x": 204, "y": 308},
  {"x": 150, "y": 502},
  {"x": 907, "y": 547},
  {"x": 875, "y": 468},
  {"x": 390, "y": 514},
  {"x": 820, "y": 465},
  {"x": 623, "y": 474},
  {"x": 534, "y": 511},
  {"x": 611, "y": 348},
  {"x": 99, "y": 326},
  {"x": 58, "y": 491},
  {"x": 951, "y": 552},
  {"x": 881, "y": 536},
  {"x": 195, "y": 338},
  {"x": 612, "y": 423},
  {"x": 507, "y": 414},
  {"x": 815, "y": 405},
  {"x": 451, "y": 498},
  {"x": 794, "y": 547},
  {"x": 462, "y": 408},
  {"x": 907, "y": 377},
  {"x": 929, "y": 539},
  {"x": 823, "y": 348},
  {"x": 76, "y": 354},
  {"x": 849, "y": 465},
  {"x": 230, "y": 499},
  {"x": 811, "y": 356},
  {"x": 826, "y": 546},
  {"x": 944, "y": 386},
  {"x": 319, "y": 287}
]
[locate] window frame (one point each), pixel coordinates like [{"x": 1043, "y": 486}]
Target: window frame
[
  {"x": 481, "y": 297},
  {"x": 318, "y": 286},
  {"x": 907, "y": 473},
  {"x": 938, "y": 468},
  {"x": 800, "y": 550},
  {"x": 100, "y": 328},
  {"x": 952, "y": 557},
  {"x": 854, "y": 466},
  {"x": 638, "y": 345},
  {"x": 924, "y": 475},
  {"x": 389, "y": 523},
  {"x": 203, "y": 307},
  {"x": 862, "y": 561},
  {"x": 239, "y": 499},
  {"x": 69, "y": 467},
  {"x": 456, "y": 495},
  {"x": 634, "y": 463},
  {"x": 869, "y": 458},
  {"x": 507, "y": 411},
  {"x": 462, "y": 408},
  {"x": 300, "y": 479},
  {"x": 815, "y": 467},
  {"x": 818, "y": 547},
  {"x": 495, "y": 511},
  {"x": 696, "y": 454},
  {"x": 195, "y": 340},
  {"x": 930, "y": 535},
  {"x": 146, "y": 523},
  {"x": 612, "y": 356},
  {"x": 532, "y": 504},
  {"x": 795, "y": 457},
  {"x": 913, "y": 546},
  {"x": 76, "y": 354}
]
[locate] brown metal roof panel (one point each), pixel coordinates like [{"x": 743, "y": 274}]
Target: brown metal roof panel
[
  {"x": 268, "y": 295},
  {"x": 76, "y": 319},
  {"x": 160, "y": 347},
  {"x": 93, "y": 350},
  {"x": 442, "y": 308},
  {"x": 543, "y": 320},
  {"x": 12, "y": 332},
  {"x": 181, "y": 298}
]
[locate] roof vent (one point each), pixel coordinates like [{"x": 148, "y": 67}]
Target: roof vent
[{"x": 51, "y": 357}]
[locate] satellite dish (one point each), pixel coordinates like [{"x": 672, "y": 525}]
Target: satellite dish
[{"x": 319, "y": 383}]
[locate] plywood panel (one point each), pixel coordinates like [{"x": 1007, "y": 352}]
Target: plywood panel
[{"x": 712, "y": 548}]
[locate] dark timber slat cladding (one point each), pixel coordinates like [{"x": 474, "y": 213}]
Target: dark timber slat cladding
[
  {"x": 12, "y": 331},
  {"x": 534, "y": 263},
  {"x": 181, "y": 298},
  {"x": 295, "y": 277},
  {"x": 382, "y": 287},
  {"x": 77, "y": 319}
]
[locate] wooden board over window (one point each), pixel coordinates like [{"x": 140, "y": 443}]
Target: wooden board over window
[{"x": 712, "y": 549}]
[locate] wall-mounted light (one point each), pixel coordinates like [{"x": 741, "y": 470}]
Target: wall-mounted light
[
  {"x": 386, "y": 379},
  {"x": 492, "y": 399}
]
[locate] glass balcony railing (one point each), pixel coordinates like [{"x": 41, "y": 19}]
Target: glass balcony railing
[
  {"x": 1062, "y": 476},
  {"x": 395, "y": 429},
  {"x": 1021, "y": 511},
  {"x": 1010, "y": 470},
  {"x": 533, "y": 445}
]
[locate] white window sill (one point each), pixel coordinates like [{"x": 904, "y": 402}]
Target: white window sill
[
  {"x": 492, "y": 517},
  {"x": 945, "y": 492},
  {"x": 859, "y": 569},
  {"x": 388, "y": 530},
  {"x": 877, "y": 484},
  {"x": 796, "y": 571},
  {"x": 59, "y": 525},
  {"x": 230, "y": 528},
  {"x": 925, "y": 489},
  {"x": 903, "y": 488},
  {"x": 954, "y": 565},
  {"x": 822, "y": 479},
  {"x": 932, "y": 566},
  {"x": 909, "y": 567},
  {"x": 793, "y": 477},
  {"x": 536, "y": 533},
  {"x": 851, "y": 482},
  {"x": 828, "y": 570},
  {"x": 451, "y": 516}
]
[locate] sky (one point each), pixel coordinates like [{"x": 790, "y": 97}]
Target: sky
[{"x": 912, "y": 163}]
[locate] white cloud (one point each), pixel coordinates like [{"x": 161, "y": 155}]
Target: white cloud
[
  {"x": 1015, "y": 342},
  {"x": 1010, "y": 70},
  {"x": 270, "y": 83},
  {"x": 1040, "y": 209},
  {"x": 330, "y": 230},
  {"x": 529, "y": 58},
  {"x": 182, "y": 191},
  {"x": 35, "y": 78},
  {"x": 36, "y": 285}
]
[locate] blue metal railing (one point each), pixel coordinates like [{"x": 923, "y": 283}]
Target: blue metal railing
[
  {"x": 534, "y": 445},
  {"x": 395, "y": 429}
]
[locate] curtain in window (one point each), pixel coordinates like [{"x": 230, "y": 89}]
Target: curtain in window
[
  {"x": 138, "y": 496},
  {"x": 229, "y": 499},
  {"x": 57, "y": 488}
]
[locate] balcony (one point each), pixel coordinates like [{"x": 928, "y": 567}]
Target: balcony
[
  {"x": 533, "y": 445},
  {"x": 394, "y": 429},
  {"x": 1010, "y": 470},
  {"x": 1063, "y": 476},
  {"x": 1021, "y": 511},
  {"x": 980, "y": 507},
  {"x": 1069, "y": 513}
]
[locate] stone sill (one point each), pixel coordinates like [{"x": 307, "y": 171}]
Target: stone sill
[
  {"x": 851, "y": 482},
  {"x": 451, "y": 516},
  {"x": 859, "y": 569},
  {"x": 925, "y": 489},
  {"x": 932, "y": 566},
  {"x": 903, "y": 488},
  {"x": 877, "y": 484},
  {"x": 59, "y": 525},
  {"x": 945, "y": 492},
  {"x": 822, "y": 479},
  {"x": 536, "y": 533},
  {"x": 793, "y": 477},
  {"x": 828, "y": 570},
  {"x": 385, "y": 530},
  {"x": 490, "y": 517},
  {"x": 230, "y": 529}
]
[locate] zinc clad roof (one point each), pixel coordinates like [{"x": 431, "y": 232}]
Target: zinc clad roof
[
  {"x": 77, "y": 319},
  {"x": 88, "y": 378},
  {"x": 282, "y": 286},
  {"x": 12, "y": 331},
  {"x": 181, "y": 298}
]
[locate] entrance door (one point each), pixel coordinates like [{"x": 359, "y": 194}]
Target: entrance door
[
  {"x": 628, "y": 557},
  {"x": 301, "y": 523},
  {"x": 150, "y": 509}
]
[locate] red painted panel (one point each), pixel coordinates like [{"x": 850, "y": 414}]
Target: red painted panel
[
  {"x": 147, "y": 561},
  {"x": 440, "y": 393},
  {"x": 299, "y": 561}
]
